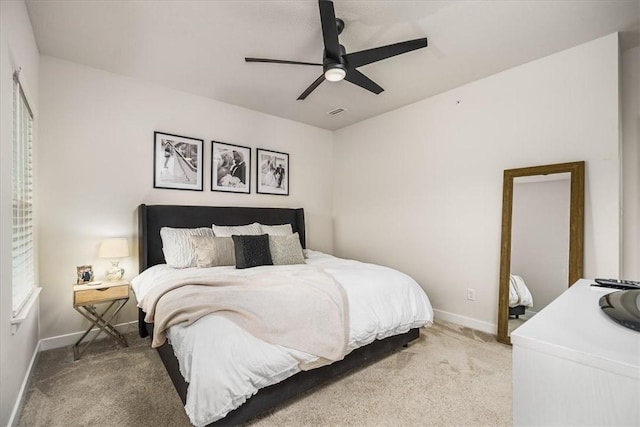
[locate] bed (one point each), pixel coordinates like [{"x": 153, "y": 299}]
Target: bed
[
  {"x": 519, "y": 296},
  {"x": 362, "y": 349}
]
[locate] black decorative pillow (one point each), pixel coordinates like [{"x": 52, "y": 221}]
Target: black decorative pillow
[{"x": 252, "y": 251}]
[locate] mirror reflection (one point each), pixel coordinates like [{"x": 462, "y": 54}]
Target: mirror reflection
[
  {"x": 542, "y": 239},
  {"x": 539, "y": 244}
]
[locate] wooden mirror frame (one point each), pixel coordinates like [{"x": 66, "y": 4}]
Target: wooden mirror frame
[{"x": 576, "y": 231}]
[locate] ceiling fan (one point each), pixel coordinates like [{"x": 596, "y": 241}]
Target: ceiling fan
[{"x": 337, "y": 64}]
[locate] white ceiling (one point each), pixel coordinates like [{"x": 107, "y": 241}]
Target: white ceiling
[{"x": 199, "y": 46}]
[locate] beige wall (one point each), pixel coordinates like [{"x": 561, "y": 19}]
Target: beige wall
[
  {"x": 630, "y": 77},
  {"x": 17, "y": 350},
  {"x": 420, "y": 188},
  {"x": 97, "y": 167}
]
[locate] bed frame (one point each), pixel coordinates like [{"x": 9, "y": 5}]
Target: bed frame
[
  {"x": 517, "y": 311},
  {"x": 152, "y": 218}
]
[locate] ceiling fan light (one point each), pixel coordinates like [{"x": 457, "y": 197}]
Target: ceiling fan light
[{"x": 335, "y": 74}]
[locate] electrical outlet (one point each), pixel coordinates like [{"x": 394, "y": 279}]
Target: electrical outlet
[{"x": 471, "y": 294}]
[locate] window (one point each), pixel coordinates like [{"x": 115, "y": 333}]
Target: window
[{"x": 23, "y": 258}]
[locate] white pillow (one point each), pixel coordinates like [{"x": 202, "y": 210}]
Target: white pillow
[
  {"x": 237, "y": 230},
  {"x": 277, "y": 230},
  {"x": 177, "y": 247}
]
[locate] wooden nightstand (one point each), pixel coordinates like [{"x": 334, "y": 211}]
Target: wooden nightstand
[{"x": 84, "y": 299}]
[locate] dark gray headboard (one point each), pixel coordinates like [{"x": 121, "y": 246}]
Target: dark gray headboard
[{"x": 152, "y": 218}]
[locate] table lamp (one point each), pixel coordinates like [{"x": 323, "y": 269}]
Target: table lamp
[{"x": 114, "y": 249}]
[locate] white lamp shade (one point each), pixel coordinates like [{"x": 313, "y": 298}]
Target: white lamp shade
[{"x": 114, "y": 248}]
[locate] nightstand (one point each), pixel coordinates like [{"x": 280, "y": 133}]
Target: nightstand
[{"x": 84, "y": 299}]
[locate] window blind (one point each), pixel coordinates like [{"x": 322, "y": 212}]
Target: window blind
[{"x": 23, "y": 262}]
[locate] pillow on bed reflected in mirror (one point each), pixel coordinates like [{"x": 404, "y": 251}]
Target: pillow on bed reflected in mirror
[
  {"x": 177, "y": 247},
  {"x": 286, "y": 250},
  {"x": 277, "y": 230},
  {"x": 240, "y": 230},
  {"x": 213, "y": 251},
  {"x": 252, "y": 251}
]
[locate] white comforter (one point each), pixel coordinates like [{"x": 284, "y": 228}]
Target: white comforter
[
  {"x": 519, "y": 294},
  {"x": 225, "y": 365}
]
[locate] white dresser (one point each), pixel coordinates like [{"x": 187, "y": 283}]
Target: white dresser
[{"x": 573, "y": 365}]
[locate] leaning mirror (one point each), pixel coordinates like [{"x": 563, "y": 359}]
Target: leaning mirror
[{"x": 542, "y": 239}]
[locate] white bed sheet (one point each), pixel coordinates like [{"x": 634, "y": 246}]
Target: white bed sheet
[{"x": 225, "y": 365}]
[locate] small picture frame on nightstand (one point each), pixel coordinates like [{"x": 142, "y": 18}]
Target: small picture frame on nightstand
[{"x": 85, "y": 274}]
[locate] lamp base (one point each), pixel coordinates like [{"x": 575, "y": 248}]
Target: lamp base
[{"x": 115, "y": 272}]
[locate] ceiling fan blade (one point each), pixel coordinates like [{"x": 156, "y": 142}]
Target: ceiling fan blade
[
  {"x": 311, "y": 88},
  {"x": 357, "y": 78},
  {"x": 329, "y": 30},
  {"x": 279, "y": 61},
  {"x": 364, "y": 57}
]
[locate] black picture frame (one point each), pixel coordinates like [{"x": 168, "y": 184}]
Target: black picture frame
[
  {"x": 177, "y": 162},
  {"x": 230, "y": 168},
  {"x": 272, "y": 172}
]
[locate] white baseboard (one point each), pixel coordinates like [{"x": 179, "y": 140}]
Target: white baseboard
[
  {"x": 70, "y": 339},
  {"x": 476, "y": 324},
  {"x": 22, "y": 394}
]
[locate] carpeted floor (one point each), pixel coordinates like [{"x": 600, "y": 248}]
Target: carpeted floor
[{"x": 450, "y": 376}]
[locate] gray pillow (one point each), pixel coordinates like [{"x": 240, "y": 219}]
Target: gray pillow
[
  {"x": 286, "y": 250},
  {"x": 213, "y": 251}
]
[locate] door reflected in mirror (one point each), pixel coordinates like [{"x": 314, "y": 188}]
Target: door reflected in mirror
[{"x": 542, "y": 233}]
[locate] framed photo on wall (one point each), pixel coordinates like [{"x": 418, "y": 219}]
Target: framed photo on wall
[
  {"x": 177, "y": 162},
  {"x": 272, "y": 172},
  {"x": 230, "y": 168}
]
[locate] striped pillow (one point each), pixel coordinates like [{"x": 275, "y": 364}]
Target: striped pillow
[{"x": 177, "y": 247}]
